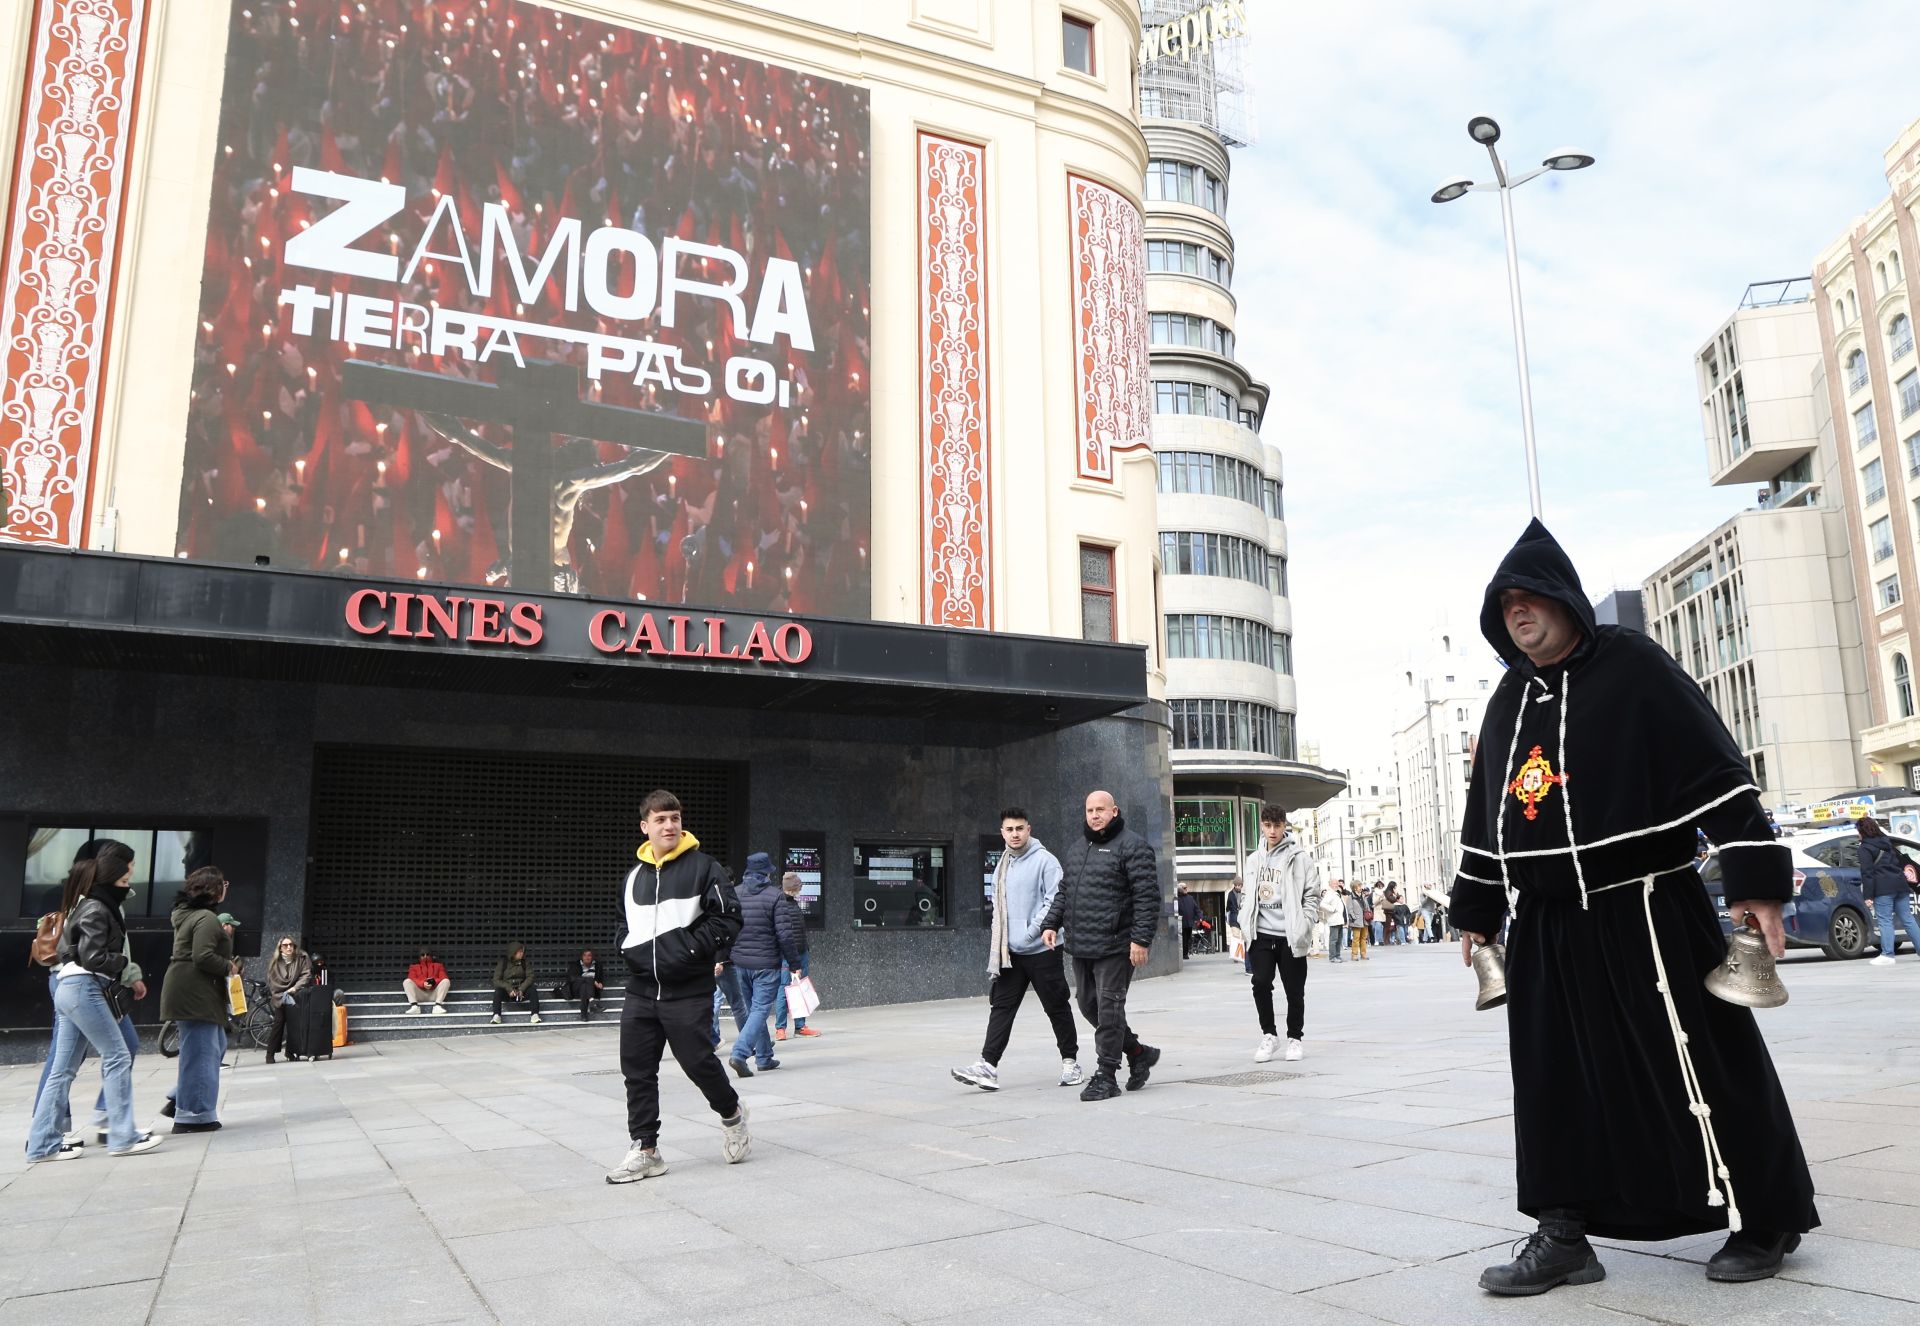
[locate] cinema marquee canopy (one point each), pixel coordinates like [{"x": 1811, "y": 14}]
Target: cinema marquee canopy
[{"x": 113, "y": 611}]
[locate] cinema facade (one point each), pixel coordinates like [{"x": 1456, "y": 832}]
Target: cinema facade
[{"x": 427, "y": 428}]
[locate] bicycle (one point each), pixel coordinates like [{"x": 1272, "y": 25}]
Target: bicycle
[{"x": 255, "y": 1026}]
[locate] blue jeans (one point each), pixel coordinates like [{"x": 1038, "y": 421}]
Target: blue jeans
[
  {"x": 1886, "y": 910},
  {"x": 726, "y": 990},
  {"x": 758, "y": 989},
  {"x": 79, "y": 1047},
  {"x": 1376, "y": 934},
  {"x": 196, "y": 1093},
  {"x": 1336, "y": 940},
  {"x": 780, "y": 1000},
  {"x": 84, "y": 1018}
]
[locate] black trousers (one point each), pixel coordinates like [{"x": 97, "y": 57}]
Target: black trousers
[
  {"x": 647, "y": 1027},
  {"x": 582, "y": 989},
  {"x": 1100, "y": 984},
  {"x": 1047, "y": 974},
  {"x": 278, "y": 1036},
  {"x": 1269, "y": 952},
  {"x": 530, "y": 1000},
  {"x": 1186, "y": 941}
]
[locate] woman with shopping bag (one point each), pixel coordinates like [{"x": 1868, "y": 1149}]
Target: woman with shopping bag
[{"x": 195, "y": 996}]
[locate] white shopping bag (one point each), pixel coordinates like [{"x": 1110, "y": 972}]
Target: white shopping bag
[{"x": 802, "y": 998}]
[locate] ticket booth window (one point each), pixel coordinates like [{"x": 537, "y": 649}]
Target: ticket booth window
[{"x": 899, "y": 886}]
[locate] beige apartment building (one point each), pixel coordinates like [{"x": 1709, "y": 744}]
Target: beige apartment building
[
  {"x": 1872, "y": 391},
  {"x": 1762, "y": 610}
]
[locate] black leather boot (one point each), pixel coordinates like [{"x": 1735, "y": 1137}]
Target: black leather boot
[
  {"x": 1751, "y": 1255},
  {"x": 1555, "y": 1254}
]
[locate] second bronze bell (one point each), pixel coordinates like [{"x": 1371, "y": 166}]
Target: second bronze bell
[
  {"x": 1748, "y": 977},
  {"x": 1490, "y": 967}
]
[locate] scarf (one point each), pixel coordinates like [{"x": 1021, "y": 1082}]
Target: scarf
[{"x": 999, "y": 957}]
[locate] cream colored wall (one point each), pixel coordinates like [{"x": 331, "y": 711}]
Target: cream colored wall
[{"x": 984, "y": 70}]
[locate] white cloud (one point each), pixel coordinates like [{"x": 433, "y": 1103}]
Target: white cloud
[{"x": 1735, "y": 141}]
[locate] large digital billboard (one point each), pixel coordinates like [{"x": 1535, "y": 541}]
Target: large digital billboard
[{"x": 498, "y": 294}]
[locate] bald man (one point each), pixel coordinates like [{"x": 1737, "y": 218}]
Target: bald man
[{"x": 1109, "y": 902}]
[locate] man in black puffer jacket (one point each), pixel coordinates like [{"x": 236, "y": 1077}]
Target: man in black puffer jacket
[
  {"x": 678, "y": 914},
  {"x": 772, "y": 931},
  {"x": 1109, "y": 902}
]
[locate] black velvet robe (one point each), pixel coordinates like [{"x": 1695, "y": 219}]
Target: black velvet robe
[{"x": 1617, "y": 755}]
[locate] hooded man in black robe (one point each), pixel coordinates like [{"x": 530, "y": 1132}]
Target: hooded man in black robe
[{"x": 1644, "y": 1107}]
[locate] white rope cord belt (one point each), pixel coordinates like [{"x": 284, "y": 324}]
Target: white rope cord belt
[{"x": 1717, "y": 1175}]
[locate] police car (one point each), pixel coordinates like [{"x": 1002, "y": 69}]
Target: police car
[{"x": 1827, "y": 911}]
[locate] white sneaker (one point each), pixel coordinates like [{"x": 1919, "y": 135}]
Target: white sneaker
[
  {"x": 734, "y": 1140},
  {"x": 145, "y": 1142},
  {"x": 494, "y": 1020},
  {"x": 1070, "y": 1073},
  {"x": 640, "y": 1163},
  {"x": 75, "y": 1138},
  {"x": 982, "y": 1074},
  {"x": 1268, "y": 1045},
  {"x": 64, "y": 1153},
  {"x": 439, "y": 1010},
  {"x": 413, "y": 1010},
  {"x": 1295, "y": 1052},
  {"x": 534, "y": 1021},
  {"x": 1884, "y": 960}
]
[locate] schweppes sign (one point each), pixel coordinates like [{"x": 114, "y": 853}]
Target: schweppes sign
[{"x": 1194, "y": 31}]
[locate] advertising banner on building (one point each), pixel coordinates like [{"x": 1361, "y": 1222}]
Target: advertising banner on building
[{"x": 495, "y": 294}]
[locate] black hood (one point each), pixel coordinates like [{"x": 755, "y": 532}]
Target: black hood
[{"x": 1539, "y": 565}]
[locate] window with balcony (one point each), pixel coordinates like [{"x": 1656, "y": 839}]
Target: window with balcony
[
  {"x": 1212, "y": 635},
  {"x": 1899, "y": 336},
  {"x": 1189, "y": 329},
  {"x": 1856, "y": 371},
  {"x": 1076, "y": 44},
  {"x": 1275, "y": 500},
  {"x": 1283, "y": 653},
  {"x": 1195, "y": 553},
  {"x": 1193, "y": 398},
  {"x": 1887, "y": 593},
  {"x": 1865, "y": 429},
  {"x": 1239, "y": 725},
  {"x": 1903, "y": 685},
  {"x": 1873, "y": 482},
  {"x": 1908, "y": 389},
  {"x": 1096, "y": 593},
  {"x": 1184, "y": 182},
  {"x": 1880, "y": 538},
  {"x": 1277, "y": 574},
  {"x": 1912, "y": 445},
  {"x": 1208, "y": 474}
]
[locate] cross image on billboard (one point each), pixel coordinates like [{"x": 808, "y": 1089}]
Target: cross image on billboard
[{"x": 495, "y": 294}]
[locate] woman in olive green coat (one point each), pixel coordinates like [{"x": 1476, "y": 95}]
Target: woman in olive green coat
[{"x": 195, "y": 997}]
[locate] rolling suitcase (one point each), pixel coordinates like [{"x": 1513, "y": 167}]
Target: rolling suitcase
[{"x": 310, "y": 1024}]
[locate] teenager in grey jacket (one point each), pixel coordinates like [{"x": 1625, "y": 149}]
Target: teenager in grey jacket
[
  {"x": 1277, "y": 915},
  {"x": 1024, "y": 886}
]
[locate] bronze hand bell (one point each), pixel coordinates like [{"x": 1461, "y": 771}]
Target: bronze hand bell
[
  {"x": 1490, "y": 967},
  {"x": 1748, "y": 976}
]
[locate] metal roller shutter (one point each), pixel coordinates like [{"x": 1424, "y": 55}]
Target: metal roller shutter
[{"x": 463, "y": 851}]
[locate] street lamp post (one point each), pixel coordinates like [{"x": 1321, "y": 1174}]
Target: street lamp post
[{"x": 1484, "y": 131}]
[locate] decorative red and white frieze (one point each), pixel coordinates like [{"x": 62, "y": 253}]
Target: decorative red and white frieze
[
  {"x": 956, "y": 541},
  {"x": 1114, "y": 392},
  {"x": 62, "y": 237}
]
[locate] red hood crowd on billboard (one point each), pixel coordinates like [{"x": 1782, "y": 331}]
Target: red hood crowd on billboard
[{"x": 706, "y": 217}]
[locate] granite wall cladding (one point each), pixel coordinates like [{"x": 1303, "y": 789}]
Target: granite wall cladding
[{"x": 142, "y": 748}]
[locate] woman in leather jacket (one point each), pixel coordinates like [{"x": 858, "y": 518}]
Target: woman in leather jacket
[{"x": 92, "y": 956}]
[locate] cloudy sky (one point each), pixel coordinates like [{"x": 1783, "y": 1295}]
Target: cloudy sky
[{"x": 1734, "y": 142}]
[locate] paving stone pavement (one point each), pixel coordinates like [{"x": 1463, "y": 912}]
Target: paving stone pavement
[{"x": 460, "y": 1180}]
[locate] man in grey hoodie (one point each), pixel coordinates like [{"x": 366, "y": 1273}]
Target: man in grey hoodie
[
  {"x": 1024, "y": 885},
  {"x": 1282, "y": 902}
]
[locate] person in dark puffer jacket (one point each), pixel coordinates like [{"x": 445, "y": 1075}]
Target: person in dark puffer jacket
[
  {"x": 772, "y": 931},
  {"x": 678, "y": 915},
  {"x": 1109, "y": 903}
]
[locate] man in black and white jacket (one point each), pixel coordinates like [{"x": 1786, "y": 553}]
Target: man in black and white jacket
[{"x": 678, "y": 913}]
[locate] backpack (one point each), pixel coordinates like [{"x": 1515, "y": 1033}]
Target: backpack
[{"x": 45, "y": 949}]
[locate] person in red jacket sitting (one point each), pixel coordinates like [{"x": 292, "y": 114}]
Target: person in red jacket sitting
[{"x": 426, "y": 980}]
